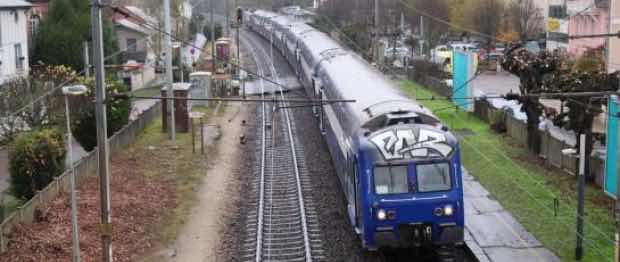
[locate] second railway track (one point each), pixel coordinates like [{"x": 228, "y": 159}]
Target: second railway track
[{"x": 283, "y": 224}]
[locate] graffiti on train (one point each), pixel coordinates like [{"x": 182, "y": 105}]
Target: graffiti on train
[{"x": 403, "y": 143}]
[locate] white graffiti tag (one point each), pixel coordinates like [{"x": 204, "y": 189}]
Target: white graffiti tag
[{"x": 398, "y": 144}]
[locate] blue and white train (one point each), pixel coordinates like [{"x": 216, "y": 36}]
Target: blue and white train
[{"x": 399, "y": 167}]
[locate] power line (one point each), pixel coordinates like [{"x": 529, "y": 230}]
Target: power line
[
  {"x": 65, "y": 82},
  {"x": 187, "y": 43}
]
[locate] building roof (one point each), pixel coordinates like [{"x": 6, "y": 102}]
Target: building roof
[{"x": 14, "y": 4}]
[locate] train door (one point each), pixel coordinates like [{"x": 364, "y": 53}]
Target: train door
[
  {"x": 358, "y": 196},
  {"x": 321, "y": 113},
  {"x": 352, "y": 184}
]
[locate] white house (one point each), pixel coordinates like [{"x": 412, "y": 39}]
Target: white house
[{"x": 13, "y": 38}]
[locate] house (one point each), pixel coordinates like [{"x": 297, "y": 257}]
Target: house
[
  {"x": 587, "y": 17},
  {"x": 36, "y": 14},
  {"x": 13, "y": 39},
  {"x": 138, "y": 60}
]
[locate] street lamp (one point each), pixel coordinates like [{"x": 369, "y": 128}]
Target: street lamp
[{"x": 74, "y": 90}]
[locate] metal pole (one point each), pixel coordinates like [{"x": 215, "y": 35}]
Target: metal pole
[
  {"x": 227, "y": 18},
  {"x": 375, "y": 49},
  {"x": 169, "y": 80},
  {"x": 580, "y": 195},
  {"x": 75, "y": 235},
  {"x": 421, "y": 35},
  {"x": 102, "y": 134},
  {"x": 86, "y": 60},
  {"x": 212, "y": 37},
  {"x": 238, "y": 50}
]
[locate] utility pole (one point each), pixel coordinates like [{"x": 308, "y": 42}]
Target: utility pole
[
  {"x": 102, "y": 133},
  {"x": 580, "y": 196},
  {"x": 375, "y": 50},
  {"x": 227, "y": 18},
  {"x": 86, "y": 60},
  {"x": 169, "y": 80},
  {"x": 421, "y": 35},
  {"x": 212, "y": 37}
]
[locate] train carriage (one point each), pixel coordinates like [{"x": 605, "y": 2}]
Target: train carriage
[{"x": 398, "y": 165}]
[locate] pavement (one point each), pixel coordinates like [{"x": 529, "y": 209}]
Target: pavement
[{"x": 492, "y": 233}]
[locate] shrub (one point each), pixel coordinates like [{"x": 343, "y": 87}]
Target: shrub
[
  {"x": 35, "y": 158},
  {"x": 117, "y": 113},
  {"x": 422, "y": 68}
]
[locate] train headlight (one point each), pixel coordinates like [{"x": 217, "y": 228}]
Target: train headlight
[
  {"x": 381, "y": 215},
  {"x": 448, "y": 210}
]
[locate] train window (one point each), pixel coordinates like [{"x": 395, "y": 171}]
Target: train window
[
  {"x": 391, "y": 180},
  {"x": 433, "y": 177}
]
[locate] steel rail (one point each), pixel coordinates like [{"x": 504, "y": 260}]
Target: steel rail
[
  {"x": 295, "y": 181},
  {"x": 295, "y": 164}
]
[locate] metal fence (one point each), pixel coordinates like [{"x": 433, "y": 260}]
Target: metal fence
[{"x": 84, "y": 168}]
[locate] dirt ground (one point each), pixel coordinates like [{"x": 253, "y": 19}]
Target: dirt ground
[
  {"x": 168, "y": 204},
  {"x": 205, "y": 236},
  {"x": 137, "y": 202}
]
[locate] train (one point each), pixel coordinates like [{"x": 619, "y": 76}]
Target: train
[{"x": 399, "y": 167}]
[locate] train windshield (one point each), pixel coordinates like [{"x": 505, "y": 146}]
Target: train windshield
[
  {"x": 391, "y": 180},
  {"x": 433, "y": 177}
]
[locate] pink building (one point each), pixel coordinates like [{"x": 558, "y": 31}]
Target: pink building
[{"x": 587, "y": 17}]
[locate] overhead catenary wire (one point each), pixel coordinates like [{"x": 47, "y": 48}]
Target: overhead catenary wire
[{"x": 187, "y": 43}]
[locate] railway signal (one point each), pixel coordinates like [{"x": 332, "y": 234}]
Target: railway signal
[{"x": 239, "y": 16}]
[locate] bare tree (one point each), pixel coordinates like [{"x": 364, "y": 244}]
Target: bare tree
[
  {"x": 437, "y": 9},
  {"x": 526, "y": 18},
  {"x": 487, "y": 17}
]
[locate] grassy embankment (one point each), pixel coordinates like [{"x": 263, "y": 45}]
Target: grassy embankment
[
  {"x": 176, "y": 165},
  {"x": 543, "y": 200}
]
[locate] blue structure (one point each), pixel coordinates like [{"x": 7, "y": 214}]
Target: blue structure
[
  {"x": 462, "y": 71},
  {"x": 612, "y": 157}
]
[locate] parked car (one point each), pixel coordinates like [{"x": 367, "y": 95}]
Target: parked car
[{"x": 399, "y": 51}]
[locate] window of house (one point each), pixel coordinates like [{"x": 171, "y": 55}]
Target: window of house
[
  {"x": 34, "y": 24},
  {"x": 19, "y": 59},
  {"x": 132, "y": 45}
]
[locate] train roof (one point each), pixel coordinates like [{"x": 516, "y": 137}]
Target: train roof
[
  {"x": 374, "y": 93},
  {"x": 355, "y": 78}
]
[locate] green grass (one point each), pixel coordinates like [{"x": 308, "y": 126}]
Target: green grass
[{"x": 521, "y": 183}]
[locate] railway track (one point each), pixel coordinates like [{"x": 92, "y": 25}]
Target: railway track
[{"x": 284, "y": 224}]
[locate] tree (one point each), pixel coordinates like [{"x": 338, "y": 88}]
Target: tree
[
  {"x": 526, "y": 18},
  {"x": 54, "y": 44},
  {"x": 438, "y": 9},
  {"x": 587, "y": 74},
  {"x": 18, "y": 109},
  {"x": 531, "y": 70},
  {"x": 554, "y": 73},
  {"x": 117, "y": 112},
  {"x": 486, "y": 17}
]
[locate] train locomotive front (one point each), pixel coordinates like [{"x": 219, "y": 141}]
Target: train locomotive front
[{"x": 411, "y": 184}]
